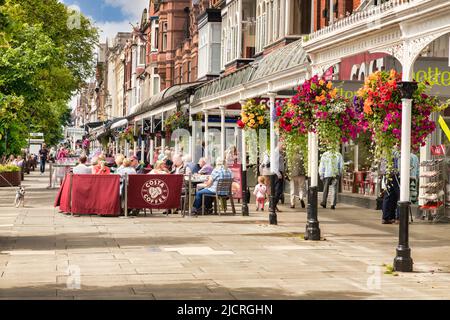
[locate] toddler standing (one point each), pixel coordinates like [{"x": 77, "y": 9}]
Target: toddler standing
[{"x": 260, "y": 193}]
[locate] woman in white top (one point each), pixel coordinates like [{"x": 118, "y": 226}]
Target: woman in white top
[
  {"x": 126, "y": 168},
  {"x": 159, "y": 168}
]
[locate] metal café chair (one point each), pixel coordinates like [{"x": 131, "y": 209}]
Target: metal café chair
[{"x": 223, "y": 192}]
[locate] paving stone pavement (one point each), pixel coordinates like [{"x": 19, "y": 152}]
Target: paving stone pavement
[{"x": 48, "y": 255}]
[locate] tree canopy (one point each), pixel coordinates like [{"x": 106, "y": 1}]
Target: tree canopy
[{"x": 46, "y": 54}]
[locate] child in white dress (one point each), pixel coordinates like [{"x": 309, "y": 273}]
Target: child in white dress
[{"x": 260, "y": 193}]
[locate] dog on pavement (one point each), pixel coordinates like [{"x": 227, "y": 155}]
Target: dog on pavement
[{"x": 20, "y": 197}]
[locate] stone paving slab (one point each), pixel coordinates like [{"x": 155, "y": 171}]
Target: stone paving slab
[{"x": 212, "y": 257}]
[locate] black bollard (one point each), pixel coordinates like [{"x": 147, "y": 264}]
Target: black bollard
[
  {"x": 244, "y": 193},
  {"x": 312, "y": 225},
  {"x": 403, "y": 261},
  {"x": 273, "y": 197}
]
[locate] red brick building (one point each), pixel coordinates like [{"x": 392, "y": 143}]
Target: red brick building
[{"x": 173, "y": 17}]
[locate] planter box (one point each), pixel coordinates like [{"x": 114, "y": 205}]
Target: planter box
[{"x": 13, "y": 177}]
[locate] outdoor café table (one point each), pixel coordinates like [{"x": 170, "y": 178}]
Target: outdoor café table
[{"x": 193, "y": 180}]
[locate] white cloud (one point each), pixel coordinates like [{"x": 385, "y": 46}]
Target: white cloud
[
  {"x": 132, "y": 12},
  {"x": 109, "y": 29}
]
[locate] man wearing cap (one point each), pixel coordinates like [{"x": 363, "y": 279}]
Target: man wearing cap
[{"x": 219, "y": 173}]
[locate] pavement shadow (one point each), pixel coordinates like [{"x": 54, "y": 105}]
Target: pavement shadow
[
  {"x": 89, "y": 240},
  {"x": 193, "y": 290}
]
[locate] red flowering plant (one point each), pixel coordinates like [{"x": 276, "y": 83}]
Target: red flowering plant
[
  {"x": 335, "y": 119},
  {"x": 379, "y": 105},
  {"x": 317, "y": 108},
  {"x": 293, "y": 118}
]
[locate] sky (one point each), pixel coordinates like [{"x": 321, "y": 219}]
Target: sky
[{"x": 111, "y": 16}]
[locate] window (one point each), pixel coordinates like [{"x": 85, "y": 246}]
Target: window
[
  {"x": 180, "y": 74},
  {"x": 189, "y": 72},
  {"x": 164, "y": 37},
  {"x": 155, "y": 81},
  {"x": 155, "y": 36},
  {"x": 142, "y": 54}
]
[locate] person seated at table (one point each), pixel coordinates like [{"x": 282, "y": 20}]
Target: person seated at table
[
  {"x": 101, "y": 167},
  {"x": 178, "y": 165},
  {"x": 168, "y": 165},
  {"x": 118, "y": 162},
  {"x": 203, "y": 167},
  {"x": 18, "y": 161},
  {"x": 127, "y": 167},
  {"x": 167, "y": 154},
  {"x": 136, "y": 165},
  {"x": 219, "y": 173},
  {"x": 11, "y": 159},
  {"x": 159, "y": 168},
  {"x": 82, "y": 168},
  {"x": 189, "y": 165}
]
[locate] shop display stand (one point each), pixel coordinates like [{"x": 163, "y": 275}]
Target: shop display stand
[{"x": 434, "y": 195}]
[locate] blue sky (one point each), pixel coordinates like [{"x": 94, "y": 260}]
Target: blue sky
[{"x": 111, "y": 16}]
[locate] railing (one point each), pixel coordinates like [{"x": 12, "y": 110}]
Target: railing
[{"x": 364, "y": 16}]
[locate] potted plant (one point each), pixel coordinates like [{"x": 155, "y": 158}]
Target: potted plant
[{"x": 9, "y": 176}]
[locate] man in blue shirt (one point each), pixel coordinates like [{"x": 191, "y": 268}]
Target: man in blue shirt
[
  {"x": 330, "y": 168},
  {"x": 219, "y": 173}
]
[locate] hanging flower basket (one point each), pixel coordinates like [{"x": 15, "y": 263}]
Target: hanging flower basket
[
  {"x": 316, "y": 108},
  {"x": 254, "y": 116},
  {"x": 178, "y": 120},
  {"x": 127, "y": 135},
  {"x": 379, "y": 106}
]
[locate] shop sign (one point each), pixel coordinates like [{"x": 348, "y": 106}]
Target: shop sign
[{"x": 438, "y": 150}]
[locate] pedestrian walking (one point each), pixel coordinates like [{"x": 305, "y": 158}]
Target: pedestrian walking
[
  {"x": 330, "y": 169},
  {"x": 43, "y": 157},
  {"x": 297, "y": 180},
  {"x": 391, "y": 192}
]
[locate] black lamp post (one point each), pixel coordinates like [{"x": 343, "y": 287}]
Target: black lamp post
[
  {"x": 273, "y": 200},
  {"x": 245, "y": 211},
  {"x": 244, "y": 191},
  {"x": 312, "y": 224},
  {"x": 403, "y": 261}
]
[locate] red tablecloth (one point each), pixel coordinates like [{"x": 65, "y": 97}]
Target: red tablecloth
[
  {"x": 91, "y": 194},
  {"x": 154, "y": 191}
]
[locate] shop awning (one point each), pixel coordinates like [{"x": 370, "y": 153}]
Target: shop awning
[
  {"x": 165, "y": 97},
  {"x": 92, "y": 125},
  {"x": 119, "y": 124},
  {"x": 271, "y": 66}
]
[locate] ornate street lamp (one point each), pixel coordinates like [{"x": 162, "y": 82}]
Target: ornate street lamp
[{"x": 403, "y": 261}]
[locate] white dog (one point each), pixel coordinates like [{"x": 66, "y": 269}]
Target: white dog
[{"x": 20, "y": 197}]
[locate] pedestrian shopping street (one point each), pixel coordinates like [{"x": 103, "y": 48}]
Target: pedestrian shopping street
[{"x": 44, "y": 253}]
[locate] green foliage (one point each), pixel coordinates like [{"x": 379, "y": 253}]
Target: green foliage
[
  {"x": 390, "y": 270},
  {"x": 177, "y": 120},
  {"x": 43, "y": 62},
  {"x": 296, "y": 145},
  {"x": 9, "y": 168}
]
